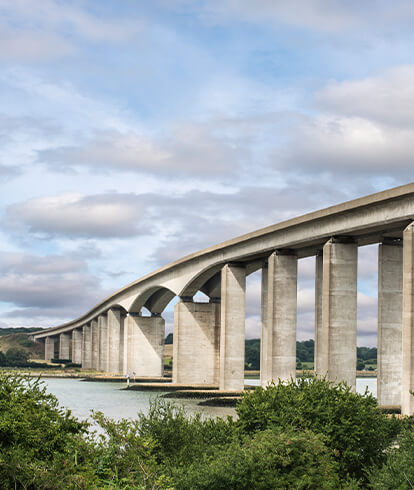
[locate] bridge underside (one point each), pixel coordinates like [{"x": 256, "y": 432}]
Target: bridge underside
[{"x": 209, "y": 337}]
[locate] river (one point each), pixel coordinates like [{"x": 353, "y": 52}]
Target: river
[{"x": 82, "y": 396}]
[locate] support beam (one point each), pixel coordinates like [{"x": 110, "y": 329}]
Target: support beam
[
  {"x": 114, "y": 320},
  {"x": 77, "y": 346},
  {"x": 103, "y": 343},
  {"x": 95, "y": 344},
  {"x": 407, "y": 379},
  {"x": 339, "y": 311},
  {"x": 145, "y": 346},
  {"x": 196, "y": 343},
  {"x": 232, "y": 335},
  {"x": 281, "y": 316},
  {"x": 263, "y": 337},
  {"x": 86, "y": 347},
  {"x": 318, "y": 366},
  {"x": 64, "y": 346},
  {"x": 389, "y": 370},
  {"x": 49, "y": 348}
]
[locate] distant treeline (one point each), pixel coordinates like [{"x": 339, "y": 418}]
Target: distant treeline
[
  {"x": 367, "y": 356},
  {"x": 12, "y": 330}
]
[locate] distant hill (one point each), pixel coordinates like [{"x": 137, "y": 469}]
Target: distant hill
[{"x": 19, "y": 338}]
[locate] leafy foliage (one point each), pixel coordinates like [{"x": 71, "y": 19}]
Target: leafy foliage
[
  {"x": 270, "y": 459},
  {"x": 33, "y": 429},
  {"x": 398, "y": 471},
  {"x": 354, "y": 428}
]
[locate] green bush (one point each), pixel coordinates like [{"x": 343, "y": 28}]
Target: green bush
[
  {"x": 33, "y": 430},
  {"x": 178, "y": 437},
  {"x": 398, "y": 471},
  {"x": 354, "y": 428},
  {"x": 270, "y": 459}
]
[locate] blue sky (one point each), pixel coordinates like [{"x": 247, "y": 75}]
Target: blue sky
[{"x": 132, "y": 133}]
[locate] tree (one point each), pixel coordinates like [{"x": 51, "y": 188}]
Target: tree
[
  {"x": 398, "y": 471},
  {"x": 269, "y": 459},
  {"x": 16, "y": 357},
  {"x": 354, "y": 428},
  {"x": 33, "y": 430}
]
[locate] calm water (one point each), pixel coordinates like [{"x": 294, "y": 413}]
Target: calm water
[{"x": 81, "y": 397}]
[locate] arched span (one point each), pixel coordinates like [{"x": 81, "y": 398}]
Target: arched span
[
  {"x": 154, "y": 299},
  {"x": 208, "y": 281}
]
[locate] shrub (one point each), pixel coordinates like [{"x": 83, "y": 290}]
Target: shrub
[
  {"x": 398, "y": 471},
  {"x": 33, "y": 429},
  {"x": 270, "y": 459},
  {"x": 354, "y": 428}
]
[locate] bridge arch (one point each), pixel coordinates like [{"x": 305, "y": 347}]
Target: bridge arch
[{"x": 154, "y": 299}]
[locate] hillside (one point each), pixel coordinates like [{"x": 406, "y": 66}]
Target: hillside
[{"x": 19, "y": 338}]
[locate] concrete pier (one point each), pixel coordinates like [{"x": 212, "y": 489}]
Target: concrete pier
[
  {"x": 87, "y": 347},
  {"x": 318, "y": 366},
  {"x": 281, "y": 316},
  {"x": 233, "y": 307},
  {"x": 390, "y": 271},
  {"x": 77, "y": 346},
  {"x": 49, "y": 348},
  {"x": 339, "y": 310},
  {"x": 114, "y": 320},
  {"x": 103, "y": 343},
  {"x": 145, "y": 346},
  {"x": 64, "y": 346},
  {"x": 263, "y": 336},
  {"x": 196, "y": 343},
  {"x": 95, "y": 344},
  {"x": 407, "y": 378}
]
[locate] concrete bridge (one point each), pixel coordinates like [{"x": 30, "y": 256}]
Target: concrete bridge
[{"x": 209, "y": 337}]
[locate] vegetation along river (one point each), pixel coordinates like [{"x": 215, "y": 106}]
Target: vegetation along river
[{"x": 81, "y": 397}]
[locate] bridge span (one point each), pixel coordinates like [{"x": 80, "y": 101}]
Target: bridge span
[{"x": 209, "y": 337}]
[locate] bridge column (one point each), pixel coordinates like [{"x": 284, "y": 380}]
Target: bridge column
[
  {"x": 49, "y": 348},
  {"x": 145, "y": 345},
  {"x": 64, "y": 346},
  {"x": 232, "y": 331},
  {"x": 263, "y": 337},
  {"x": 95, "y": 344},
  {"x": 281, "y": 316},
  {"x": 103, "y": 343},
  {"x": 319, "y": 338},
  {"x": 196, "y": 342},
  {"x": 77, "y": 346},
  {"x": 390, "y": 273},
  {"x": 86, "y": 347},
  {"x": 114, "y": 325},
  {"x": 407, "y": 380},
  {"x": 339, "y": 311}
]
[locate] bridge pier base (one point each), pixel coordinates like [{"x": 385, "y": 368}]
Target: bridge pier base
[
  {"x": 407, "y": 380},
  {"x": 196, "y": 343},
  {"x": 389, "y": 323},
  {"x": 339, "y": 311},
  {"x": 114, "y": 325},
  {"x": 280, "y": 340},
  {"x": 103, "y": 343},
  {"x": 86, "y": 347},
  {"x": 64, "y": 346},
  {"x": 145, "y": 345},
  {"x": 49, "y": 348},
  {"x": 320, "y": 342},
  {"x": 95, "y": 344},
  {"x": 77, "y": 346},
  {"x": 232, "y": 330}
]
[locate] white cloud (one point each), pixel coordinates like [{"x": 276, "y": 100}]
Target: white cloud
[
  {"x": 76, "y": 215},
  {"x": 386, "y": 99},
  {"x": 190, "y": 149}
]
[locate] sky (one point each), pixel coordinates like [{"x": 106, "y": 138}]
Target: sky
[{"x": 135, "y": 132}]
